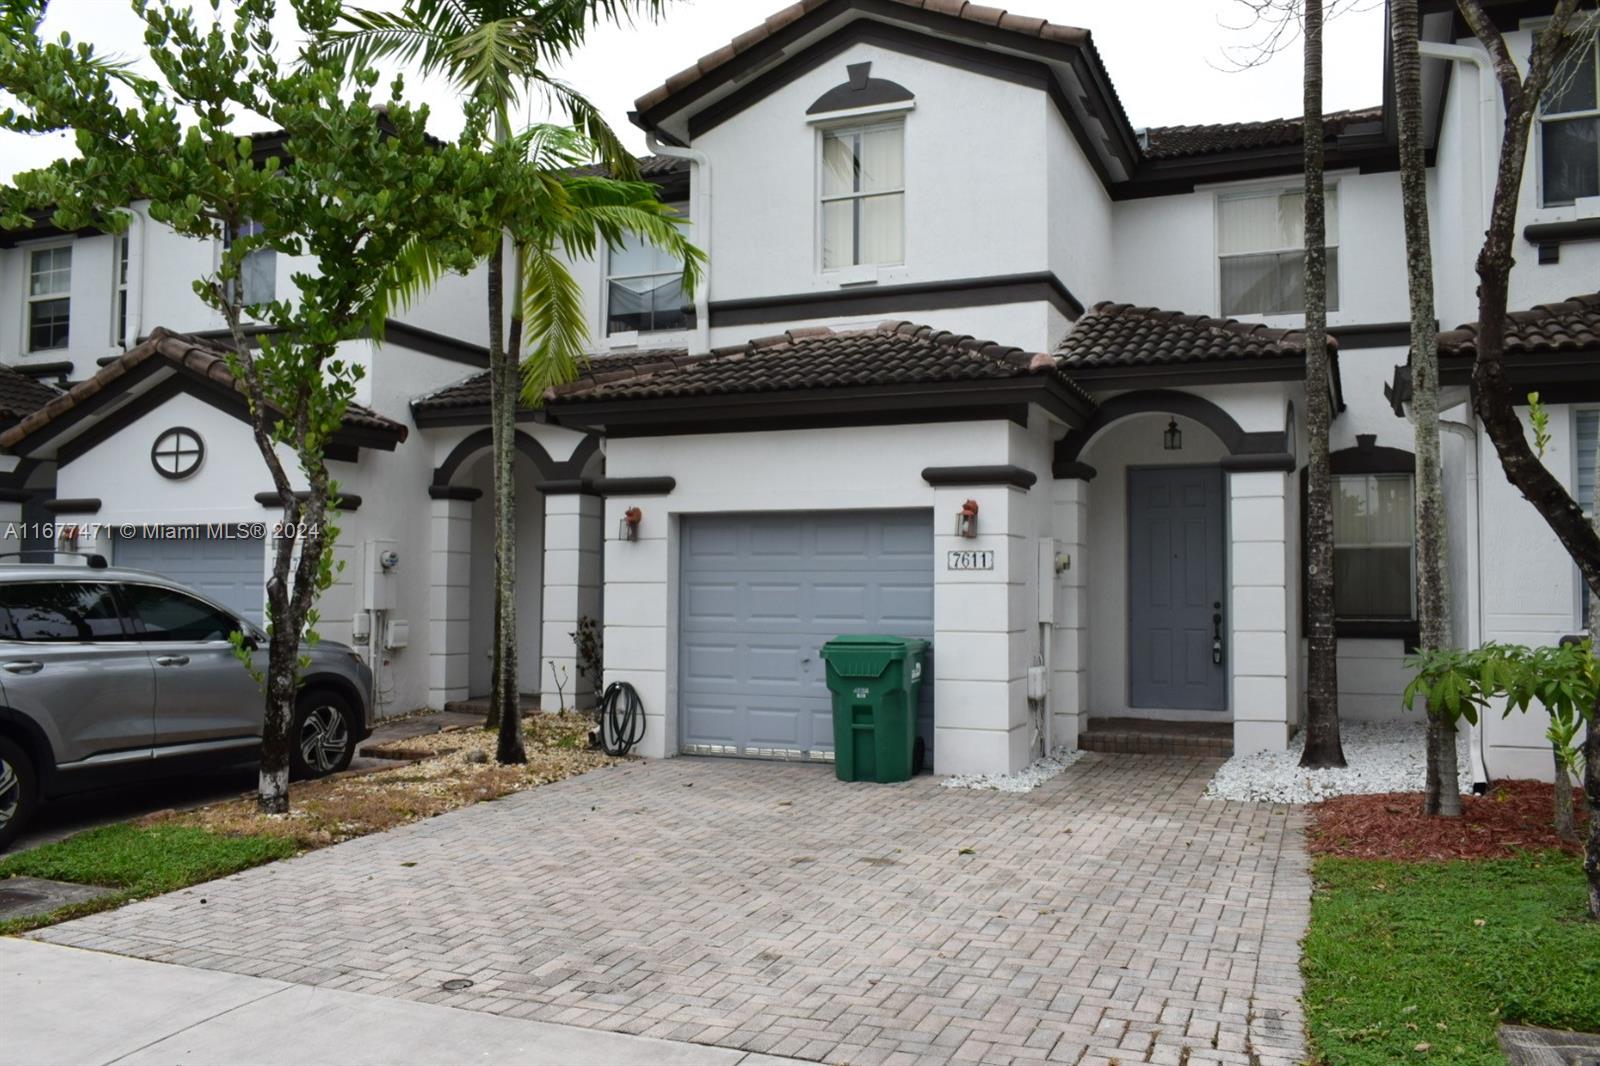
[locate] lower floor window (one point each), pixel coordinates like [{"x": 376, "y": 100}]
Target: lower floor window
[{"x": 1374, "y": 570}]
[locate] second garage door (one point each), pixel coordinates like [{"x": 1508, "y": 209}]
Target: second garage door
[
  {"x": 760, "y": 594},
  {"x": 229, "y": 571}
]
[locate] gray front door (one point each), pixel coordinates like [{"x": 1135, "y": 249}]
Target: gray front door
[
  {"x": 1175, "y": 588},
  {"x": 760, "y": 594}
]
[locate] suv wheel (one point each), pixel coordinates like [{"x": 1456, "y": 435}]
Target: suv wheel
[
  {"x": 324, "y": 742},
  {"x": 18, "y": 791}
]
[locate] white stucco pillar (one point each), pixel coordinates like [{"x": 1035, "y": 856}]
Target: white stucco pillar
[
  {"x": 640, "y": 617},
  {"x": 1260, "y": 648},
  {"x": 983, "y": 639},
  {"x": 572, "y": 547},
  {"x": 449, "y": 600},
  {"x": 1069, "y": 654}
]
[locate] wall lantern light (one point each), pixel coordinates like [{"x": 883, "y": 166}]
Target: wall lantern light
[
  {"x": 967, "y": 519},
  {"x": 629, "y": 529},
  {"x": 1172, "y": 439}
]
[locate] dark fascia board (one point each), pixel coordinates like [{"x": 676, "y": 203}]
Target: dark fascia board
[
  {"x": 1365, "y": 153},
  {"x": 344, "y": 446},
  {"x": 37, "y": 371},
  {"x": 1548, "y": 237},
  {"x": 82, "y": 505},
  {"x": 435, "y": 344},
  {"x": 1371, "y": 459},
  {"x": 949, "y": 476},
  {"x": 343, "y": 501},
  {"x": 856, "y": 405},
  {"x": 901, "y": 299},
  {"x": 1373, "y": 335},
  {"x": 1221, "y": 372},
  {"x": 15, "y": 495},
  {"x": 454, "y": 492},
  {"x": 998, "y": 49},
  {"x": 1571, "y": 372},
  {"x": 635, "y": 486}
]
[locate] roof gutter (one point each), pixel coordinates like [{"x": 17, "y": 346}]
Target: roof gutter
[{"x": 699, "y": 226}]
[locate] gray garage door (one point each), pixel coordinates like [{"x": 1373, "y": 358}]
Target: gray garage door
[
  {"x": 231, "y": 571},
  {"x": 759, "y": 595}
]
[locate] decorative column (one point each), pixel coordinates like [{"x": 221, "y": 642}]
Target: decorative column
[
  {"x": 983, "y": 625},
  {"x": 1260, "y": 652},
  {"x": 449, "y": 593},
  {"x": 572, "y": 546},
  {"x": 1069, "y": 655}
]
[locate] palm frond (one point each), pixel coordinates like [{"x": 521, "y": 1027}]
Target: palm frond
[
  {"x": 554, "y": 326},
  {"x": 404, "y": 281},
  {"x": 588, "y": 118}
]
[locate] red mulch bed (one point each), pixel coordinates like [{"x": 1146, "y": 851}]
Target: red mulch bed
[{"x": 1514, "y": 817}]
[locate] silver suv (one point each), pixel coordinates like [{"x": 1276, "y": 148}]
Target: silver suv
[{"x": 108, "y": 675}]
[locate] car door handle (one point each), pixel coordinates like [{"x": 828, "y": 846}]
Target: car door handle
[
  {"x": 172, "y": 660},
  {"x": 26, "y": 666}
]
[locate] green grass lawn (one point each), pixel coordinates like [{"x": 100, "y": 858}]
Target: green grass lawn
[
  {"x": 1402, "y": 954},
  {"x": 137, "y": 862}
]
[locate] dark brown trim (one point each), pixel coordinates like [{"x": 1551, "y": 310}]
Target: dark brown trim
[
  {"x": 568, "y": 486},
  {"x": 436, "y": 344},
  {"x": 1168, "y": 375},
  {"x": 548, "y": 468},
  {"x": 343, "y": 501},
  {"x": 1041, "y": 286},
  {"x": 1550, "y": 236},
  {"x": 1372, "y": 335},
  {"x": 1073, "y": 471},
  {"x": 198, "y": 463},
  {"x": 899, "y": 404},
  {"x": 454, "y": 492},
  {"x": 947, "y": 476},
  {"x": 1560, "y": 377},
  {"x": 1246, "y": 451},
  {"x": 1367, "y": 153},
  {"x": 81, "y": 505},
  {"x": 58, "y": 369},
  {"x": 635, "y": 486},
  {"x": 1368, "y": 457},
  {"x": 861, "y": 89},
  {"x": 8, "y": 495}
]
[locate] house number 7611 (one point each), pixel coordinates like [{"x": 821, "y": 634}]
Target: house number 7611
[{"x": 969, "y": 560}]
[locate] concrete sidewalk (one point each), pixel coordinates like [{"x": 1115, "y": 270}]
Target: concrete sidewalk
[{"x": 65, "y": 1005}]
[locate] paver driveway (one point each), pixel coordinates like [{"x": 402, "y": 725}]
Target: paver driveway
[{"x": 1111, "y": 914}]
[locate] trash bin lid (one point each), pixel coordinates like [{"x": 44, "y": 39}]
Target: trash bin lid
[{"x": 868, "y": 654}]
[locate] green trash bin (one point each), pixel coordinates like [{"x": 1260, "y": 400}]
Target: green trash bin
[{"x": 875, "y": 681}]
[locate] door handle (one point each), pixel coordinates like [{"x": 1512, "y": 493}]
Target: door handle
[
  {"x": 172, "y": 660},
  {"x": 1216, "y": 635},
  {"x": 26, "y": 666}
]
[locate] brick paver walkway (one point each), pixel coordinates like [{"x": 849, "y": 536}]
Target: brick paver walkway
[{"x": 1110, "y": 915}]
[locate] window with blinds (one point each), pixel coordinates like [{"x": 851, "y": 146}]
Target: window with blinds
[
  {"x": 863, "y": 196},
  {"x": 1261, "y": 240},
  {"x": 1374, "y": 556}
]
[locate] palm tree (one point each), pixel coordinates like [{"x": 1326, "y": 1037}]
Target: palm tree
[{"x": 499, "y": 53}]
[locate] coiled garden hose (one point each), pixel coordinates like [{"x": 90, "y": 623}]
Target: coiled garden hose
[{"x": 621, "y": 718}]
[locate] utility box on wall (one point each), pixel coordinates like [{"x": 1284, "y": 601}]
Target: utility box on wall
[
  {"x": 1053, "y": 563},
  {"x": 379, "y": 574}
]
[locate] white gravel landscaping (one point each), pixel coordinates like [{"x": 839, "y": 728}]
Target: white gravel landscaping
[
  {"x": 1382, "y": 757},
  {"x": 1024, "y": 780}
]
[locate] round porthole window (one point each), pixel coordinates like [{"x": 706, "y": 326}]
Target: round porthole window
[{"x": 177, "y": 453}]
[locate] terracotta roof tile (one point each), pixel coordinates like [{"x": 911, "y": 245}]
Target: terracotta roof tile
[
  {"x": 1172, "y": 142},
  {"x": 196, "y": 355},
  {"x": 473, "y": 392},
  {"x": 1122, "y": 335},
  {"x": 894, "y": 353},
  {"x": 1573, "y": 325},
  {"x": 21, "y": 395}
]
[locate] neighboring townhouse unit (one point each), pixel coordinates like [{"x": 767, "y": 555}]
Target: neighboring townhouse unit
[{"x": 1106, "y": 486}]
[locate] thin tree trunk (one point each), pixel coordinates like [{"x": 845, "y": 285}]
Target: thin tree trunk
[
  {"x": 496, "y": 312},
  {"x": 1442, "y": 794},
  {"x": 1591, "y": 791},
  {"x": 504, "y": 704},
  {"x": 1322, "y": 746}
]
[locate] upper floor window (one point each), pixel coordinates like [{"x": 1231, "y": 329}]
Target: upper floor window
[
  {"x": 1569, "y": 134},
  {"x": 644, "y": 289},
  {"x": 1261, "y": 240},
  {"x": 863, "y": 196},
  {"x": 259, "y": 271},
  {"x": 49, "y": 299},
  {"x": 119, "y": 289},
  {"x": 1374, "y": 549}
]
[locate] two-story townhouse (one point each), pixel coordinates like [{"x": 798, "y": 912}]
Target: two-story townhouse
[{"x": 1108, "y": 489}]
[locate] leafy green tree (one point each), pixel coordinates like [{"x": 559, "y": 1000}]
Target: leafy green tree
[
  {"x": 499, "y": 54},
  {"x": 358, "y": 189}
]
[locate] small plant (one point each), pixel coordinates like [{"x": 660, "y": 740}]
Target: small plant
[
  {"x": 558, "y": 674},
  {"x": 591, "y": 654},
  {"x": 1540, "y": 419}
]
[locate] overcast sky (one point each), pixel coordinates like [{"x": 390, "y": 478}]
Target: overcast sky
[{"x": 1167, "y": 58}]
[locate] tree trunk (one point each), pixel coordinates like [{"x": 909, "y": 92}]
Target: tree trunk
[
  {"x": 505, "y": 713},
  {"x": 1322, "y": 746},
  {"x": 1442, "y": 794},
  {"x": 1591, "y": 792}
]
